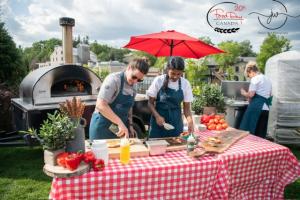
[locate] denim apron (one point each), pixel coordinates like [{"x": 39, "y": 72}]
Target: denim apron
[
  {"x": 252, "y": 113},
  {"x": 168, "y": 105},
  {"x": 99, "y": 126}
]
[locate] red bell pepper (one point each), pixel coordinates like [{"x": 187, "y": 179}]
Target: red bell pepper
[
  {"x": 89, "y": 157},
  {"x": 61, "y": 159},
  {"x": 98, "y": 164},
  {"x": 72, "y": 161}
]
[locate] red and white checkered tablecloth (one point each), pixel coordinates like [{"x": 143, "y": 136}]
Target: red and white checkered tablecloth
[{"x": 253, "y": 168}]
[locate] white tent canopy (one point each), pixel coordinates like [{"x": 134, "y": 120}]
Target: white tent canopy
[{"x": 284, "y": 120}]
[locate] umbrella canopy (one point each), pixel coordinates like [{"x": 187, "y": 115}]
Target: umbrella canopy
[{"x": 171, "y": 43}]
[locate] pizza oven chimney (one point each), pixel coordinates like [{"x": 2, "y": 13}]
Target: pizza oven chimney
[{"x": 67, "y": 38}]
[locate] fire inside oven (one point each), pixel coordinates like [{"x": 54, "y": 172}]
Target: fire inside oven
[{"x": 71, "y": 88}]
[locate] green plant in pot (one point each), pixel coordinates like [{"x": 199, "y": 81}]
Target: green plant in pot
[
  {"x": 210, "y": 100},
  {"x": 53, "y": 134}
]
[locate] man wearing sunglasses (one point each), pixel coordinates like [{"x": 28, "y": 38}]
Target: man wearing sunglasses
[{"x": 115, "y": 101}]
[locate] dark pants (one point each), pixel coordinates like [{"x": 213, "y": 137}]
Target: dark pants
[{"x": 262, "y": 124}]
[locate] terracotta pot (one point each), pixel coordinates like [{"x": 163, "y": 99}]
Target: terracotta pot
[{"x": 209, "y": 110}]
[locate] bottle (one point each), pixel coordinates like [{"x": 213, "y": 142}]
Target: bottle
[
  {"x": 191, "y": 142},
  {"x": 100, "y": 149},
  {"x": 124, "y": 151}
]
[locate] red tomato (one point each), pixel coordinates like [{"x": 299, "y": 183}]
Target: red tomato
[
  {"x": 219, "y": 127},
  {"x": 205, "y": 119},
  {"x": 222, "y": 121},
  {"x": 218, "y": 117},
  {"x": 224, "y": 125},
  {"x": 61, "y": 159},
  {"x": 216, "y": 121},
  {"x": 211, "y": 121},
  {"x": 211, "y": 127}
]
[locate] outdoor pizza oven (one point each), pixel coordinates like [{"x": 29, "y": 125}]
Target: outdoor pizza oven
[{"x": 43, "y": 89}]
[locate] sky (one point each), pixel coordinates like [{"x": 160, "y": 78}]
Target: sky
[{"x": 112, "y": 22}]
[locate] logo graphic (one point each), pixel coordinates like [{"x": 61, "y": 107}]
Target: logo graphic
[
  {"x": 225, "y": 17},
  {"x": 276, "y": 16}
]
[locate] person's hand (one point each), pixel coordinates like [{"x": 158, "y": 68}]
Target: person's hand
[
  {"x": 160, "y": 120},
  {"x": 132, "y": 132},
  {"x": 123, "y": 131},
  {"x": 191, "y": 127},
  {"x": 243, "y": 92}
]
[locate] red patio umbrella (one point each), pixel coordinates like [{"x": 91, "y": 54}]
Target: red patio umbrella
[{"x": 171, "y": 43}]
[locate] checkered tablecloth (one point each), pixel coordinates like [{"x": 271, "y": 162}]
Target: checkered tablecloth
[{"x": 253, "y": 168}]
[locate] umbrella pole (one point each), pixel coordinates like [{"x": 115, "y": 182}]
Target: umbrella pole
[{"x": 171, "y": 46}]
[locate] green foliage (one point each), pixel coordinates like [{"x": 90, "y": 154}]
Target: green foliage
[
  {"x": 207, "y": 40},
  {"x": 228, "y": 59},
  {"x": 246, "y": 49},
  {"x": 106, "y": 53},
  {"x": 12, "y": 69},
  {"x": 39, "y": 52},
  {"x": 141, "y": 54},
  {"x": 160, "y": 63},
  {"x": 272, "y": 45},
  {"x": 55, "y": 131},
  {"x": 210, "y": 96},
  {"x": 196, "y": 72},
  {"x": 102, "y": 73}
]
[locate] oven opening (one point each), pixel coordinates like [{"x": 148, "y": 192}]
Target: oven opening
[{"x": 71, "y": 88}]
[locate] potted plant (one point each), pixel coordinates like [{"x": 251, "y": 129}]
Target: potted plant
[
  {"x": 74, "y": 109},
  {"x": 53, "y": 134},
  {"x": 210, "y": 100}
]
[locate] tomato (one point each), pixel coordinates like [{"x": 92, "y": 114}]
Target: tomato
[
  {"x": 218, "y": 117},
  {"x": 72, "y": 161},
  {"x": 211, "y": 121},
  {"x": 98, "y": 165},
  {"x": 222, "y": 121},
  {"x": 224, "y": 125},
  {"x": 61, "y": 159},
  {"x": 216, "y": 121},
  {"x": 219, "y": 127},
  {"x": 211, "y": 127},
  {"x": 89, "y": 157},
  {"x": 205, "y": 119}
]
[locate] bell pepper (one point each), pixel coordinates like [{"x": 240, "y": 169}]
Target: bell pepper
[
  {"x": 89, "y": 157},
  {"x": 72, "y": 161},
  {"x": 98, "y": 165},
  {"x": 61, "y": 159}
]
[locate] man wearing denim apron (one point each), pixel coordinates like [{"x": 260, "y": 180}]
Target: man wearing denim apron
[
  {"x": 115, "y": 101},
  {"x": 255, "y": 119}
]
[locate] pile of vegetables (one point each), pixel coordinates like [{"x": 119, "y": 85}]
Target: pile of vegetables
[{"x": 71, "y": 161}]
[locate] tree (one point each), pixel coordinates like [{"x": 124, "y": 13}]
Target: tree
[
  {"x": 39, "y": 52},
  {"x": 12, "y": 69},
  {"x": 151, "y": 58},
  {"x": 246, "y": 49},
  {"x": 272, "y": 45},
  {"x": 207, "y": 40}
]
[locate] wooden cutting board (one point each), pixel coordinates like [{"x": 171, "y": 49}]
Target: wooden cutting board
[
  {"x": 228, "y": 138},
  {"x": 138, "y": 149},
  {"x": 61, "y": 172}
]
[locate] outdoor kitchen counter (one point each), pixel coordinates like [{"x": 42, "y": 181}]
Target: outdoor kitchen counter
[{"x": 253, "y": 168}]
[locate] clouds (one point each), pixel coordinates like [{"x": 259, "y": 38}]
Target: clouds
[{"x": 113, "y": 22}]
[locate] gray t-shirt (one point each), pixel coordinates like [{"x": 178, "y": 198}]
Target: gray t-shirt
[{"x": 111, "y": 86}]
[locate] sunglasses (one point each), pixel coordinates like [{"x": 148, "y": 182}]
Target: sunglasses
[{"x": 136, "y": 78}]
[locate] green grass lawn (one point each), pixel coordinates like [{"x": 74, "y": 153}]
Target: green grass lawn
[{"x": 21, "y": 175}]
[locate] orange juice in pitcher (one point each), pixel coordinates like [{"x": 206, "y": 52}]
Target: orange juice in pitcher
[{"x": 124, "y": 151}]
